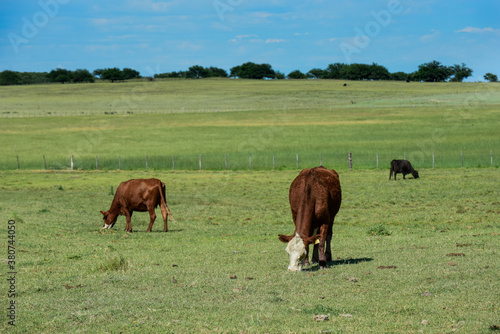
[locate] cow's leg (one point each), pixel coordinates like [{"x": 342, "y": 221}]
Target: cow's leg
[
  {"x": 164, "y": 214},
  {"x": 322, "y": 240},
  {"x": 152, "y": 217},
  {"x": 328, "y": 243},
  {"x": 128, "y": 218}
]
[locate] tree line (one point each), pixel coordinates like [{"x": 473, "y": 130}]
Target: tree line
[{"x": 428, "y": 72}]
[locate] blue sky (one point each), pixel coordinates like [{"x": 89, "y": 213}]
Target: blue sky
[{"x": 154, "y": 36}]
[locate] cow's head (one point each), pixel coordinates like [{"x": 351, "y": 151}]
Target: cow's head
[
  {"x": 109, "y": 221},
  {"x": 297, "y": 251},
  {"x": 415, "y": 174}
]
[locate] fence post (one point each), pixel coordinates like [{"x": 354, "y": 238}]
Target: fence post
[
  {"x": 18, "y": 167},
  {"x": 377, "y": 160},
  {"x": 250, "y": 162},
  {"x": 44, "y": 162},
  {"x": 297, "y": 156},
  {"x": 433, "y": 159},
  {"x": 273, "y": 161},
  {"x": 96, "y": 162},
  {"x": 491, "y": 159},
  {"x": 462, "y": 159},
  {"x": 146, "y": 162},
  {"x": 72, "y": 162},
  {"x": 225, "y": 161},
  {"x": 119, "y": 162},
  {"x": 173, "y": 162},
  {"x": 200, "y": 162},
  {"x": 349, "y": 159}
]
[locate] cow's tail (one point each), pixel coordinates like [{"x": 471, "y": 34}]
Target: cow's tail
[{"x": 164, "y": 201}]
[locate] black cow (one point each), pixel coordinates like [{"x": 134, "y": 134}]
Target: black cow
[{"x": 404, "y": 167}]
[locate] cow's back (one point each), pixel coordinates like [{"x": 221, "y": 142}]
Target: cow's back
[
  {"x": 315, "y": 194},
  {"x": 133, "y": 193}
]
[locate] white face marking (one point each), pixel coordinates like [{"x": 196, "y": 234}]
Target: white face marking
[
  {"x": 297, "y": 252},
  {"x": 107, "y": 226}
]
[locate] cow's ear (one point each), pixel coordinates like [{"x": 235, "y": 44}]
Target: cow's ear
[
  {"x": 314, "y": 239},
  {"x": 103, "y": 213},
  {"x": 285, "y": 238}
]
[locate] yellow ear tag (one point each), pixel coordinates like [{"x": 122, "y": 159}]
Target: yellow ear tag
[{"x": 316, "y": 242}]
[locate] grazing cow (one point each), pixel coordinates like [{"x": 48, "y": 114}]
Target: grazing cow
[
  {"x": 402, "y": 166},
  {"x": 315, "y": 198},
  {"x": 137, "y": 195}
]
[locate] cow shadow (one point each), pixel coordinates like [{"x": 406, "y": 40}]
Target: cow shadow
[{"x": 315, "y": 266}]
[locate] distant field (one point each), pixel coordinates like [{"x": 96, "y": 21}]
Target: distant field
[
  {"x": 409, "y": 256},
  {"x": 173, "y": 122}
]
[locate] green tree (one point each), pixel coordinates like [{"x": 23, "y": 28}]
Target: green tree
[
  {"x": 460, "y": 72},
  {"x": 490, "y": 77},
  {"x": 400, "y": 76},
  {"x": 60, "y": 75},
  {"x": 316, "y": 73},
  {"x": 253, "y": 71},
  {"x": 296, "y": 75},
  {"x": 432, "y": 72},
  {"x": 112, "y": 74},
  {"x": 82, "y": 76},
  {"x": 10, "y": 78},
  {"x": 197, "y": 72},
  {"x": 129, "y": 73},
  {"x": 333, "y": 71},
  {"x": 216, "y": 72}
]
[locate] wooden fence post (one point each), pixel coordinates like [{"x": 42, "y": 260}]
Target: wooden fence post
[
  {"x": 462, "y": 159},
  {"x": 19, "y": 167},
  {"x": 349, "y": 159},
  {"x": 250, "y": 162},
  {"x": 377, "y": 160},
  {"x": 433, "y": 159},
  {"x": 200, "y": 162},
  {"x": 297, "y": 156},
  {"x": 72, "y": 162},
  {"x": 173, "y": 162},
  {"x": 96, "y": 162},
  {"x": 44, "y": 162}
]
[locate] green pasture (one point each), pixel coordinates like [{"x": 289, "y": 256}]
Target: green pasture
[
  {"x": 409, "y": 255},
  {"x": 173, "y": 122}
]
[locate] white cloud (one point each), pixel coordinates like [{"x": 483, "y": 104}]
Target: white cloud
[
  {"x": 299, "y": 34},
  {"x": 189, "y": 46},
  {"x": 430, "y": 37},
  {"x": 478, "y": 30},
  {"x": 274, "y": 40},
  {"x": 240, "y": 37}
]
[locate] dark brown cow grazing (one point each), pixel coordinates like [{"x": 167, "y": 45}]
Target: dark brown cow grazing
[
  {"x": 402, "y": 166},
  {"x": 315, "y": 198},
  {"x": 137, "y": 195}
]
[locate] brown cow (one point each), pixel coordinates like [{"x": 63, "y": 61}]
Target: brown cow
[
  {"x": 137, "y": 195},
  {"x": 315, "y": 198}
]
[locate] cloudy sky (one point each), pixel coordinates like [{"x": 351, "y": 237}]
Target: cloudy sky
[{"x": 154, "y": 36}]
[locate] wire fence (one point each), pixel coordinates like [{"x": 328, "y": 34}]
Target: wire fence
[{"x": 254, "y": 161}]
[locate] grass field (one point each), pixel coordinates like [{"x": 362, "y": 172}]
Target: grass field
[
  {"x": 410, "y": 256},
  {"x": 236, "y": 119}
]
